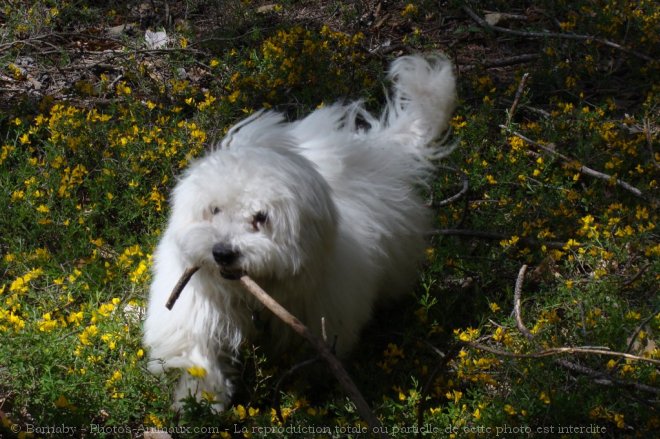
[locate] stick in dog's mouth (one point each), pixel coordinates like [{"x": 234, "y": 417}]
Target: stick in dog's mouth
[
  {"x": 180, "y": 285},
  {"x": 321, "y": 347}
]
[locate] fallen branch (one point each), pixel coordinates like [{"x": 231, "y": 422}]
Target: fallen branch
[
  {"x": 322, "y": 348},
  {"x": 604, "y": 379},
  {"x": 545, "y": 34},
  {"x": 516, "y": 99},
  {"x": 501, "y": 62},
  {"x": 639, "y": 329},
  {"x": 563, "y": 351},
  {"x": 582, "y": 169},
  {"x": 517, "y": 293},
  {"x": 465, "y": 182}
]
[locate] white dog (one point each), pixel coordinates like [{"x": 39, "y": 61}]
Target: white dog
[{"x": 323, "y": 213}]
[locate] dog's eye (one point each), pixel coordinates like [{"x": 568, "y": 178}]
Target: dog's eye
[
  {"x": 259, "y": 219},
  {"x": 215, "y": 210}
]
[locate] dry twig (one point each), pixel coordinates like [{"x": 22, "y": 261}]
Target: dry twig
[
  {"x": 545, "y": 34},
  {"x": 600, "y": 377},
  {"x": 516, "y": 303},
  {"x": 465, "y": 182},
  {"x": 582, "y": 169},
  {"x": 563, "y": 351},
  {"x": 516, "y": 99}
]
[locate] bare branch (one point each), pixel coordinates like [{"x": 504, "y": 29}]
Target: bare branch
[
  {"x": 582, "y": 169},
  {"x": 516, "y": 99},
  {"x": 545, "y": 34},
  {"x": 465, "y": 186},
  {"x": 501, "y": 62},
  {"x": 563, "y": 351},
  {"x": 639, "y": 329},
  {"x": 516, "y": 303}
]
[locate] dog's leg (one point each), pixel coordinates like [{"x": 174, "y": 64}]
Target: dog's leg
[{"x": 206, "y": 379}]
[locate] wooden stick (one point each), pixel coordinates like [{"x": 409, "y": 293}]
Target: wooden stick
[
  {"x": 517, "y": 293},
  {"x": 180, "y": 285},
  {"x": 516, "y": 99},
  {"x": 335, "y": 366}
]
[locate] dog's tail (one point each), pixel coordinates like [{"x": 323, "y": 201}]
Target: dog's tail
[{"x": 418, "y": 112}]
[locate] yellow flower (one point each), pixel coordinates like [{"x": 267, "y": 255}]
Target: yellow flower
[
  {"x": 61, "y": 402},
  {"x": 516, "y": 143},
  {"x": 232, "y": 98},
  {"x": 454, "y": 395},
  {"x": 510, "y": 242},
  {"x": 494, "y": 307},
  {"x": 545, "y": 398},
  {"x": 570, "y": 244},
  {"x": 393, "y": 351},
  {"x": 241, "y": 412},
  {"x": 123, "y": 89},
  {"x": 196, "y": 371},
  {"x": 633, "y": 315},
  {"x": 409, "y": 10},
  {"x": 75, "y": 318},
  {"x": 500, "y": 335},
  {"x": 47, "y": 324},
  {"x": 618, "y": 419},
  {"x": 154, "y": 420},
  {"x": 467, "y": 335},
  {"x": 88, "y": 332}
]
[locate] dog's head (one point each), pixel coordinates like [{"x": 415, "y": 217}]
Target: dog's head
[{"x": 261, "y": 211}]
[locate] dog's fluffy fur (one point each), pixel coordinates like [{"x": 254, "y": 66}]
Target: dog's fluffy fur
[{"x": 323, "y": 213}]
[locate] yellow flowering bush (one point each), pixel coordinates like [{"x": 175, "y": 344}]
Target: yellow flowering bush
[{"x": 565, "y": 183}]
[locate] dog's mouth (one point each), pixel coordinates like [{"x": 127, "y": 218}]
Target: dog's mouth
[{"x": 231, "y": 274}]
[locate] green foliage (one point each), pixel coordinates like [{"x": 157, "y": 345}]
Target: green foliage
[{"x": 84, "y": 190}]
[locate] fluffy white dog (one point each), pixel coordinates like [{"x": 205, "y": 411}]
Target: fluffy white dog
[{"x": 323, "y": 213}]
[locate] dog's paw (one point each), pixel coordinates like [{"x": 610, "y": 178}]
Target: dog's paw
[{"x": 209, "y": 387}]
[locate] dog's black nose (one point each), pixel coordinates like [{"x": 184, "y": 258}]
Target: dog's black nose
[{"x": 224, "y": 254}]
